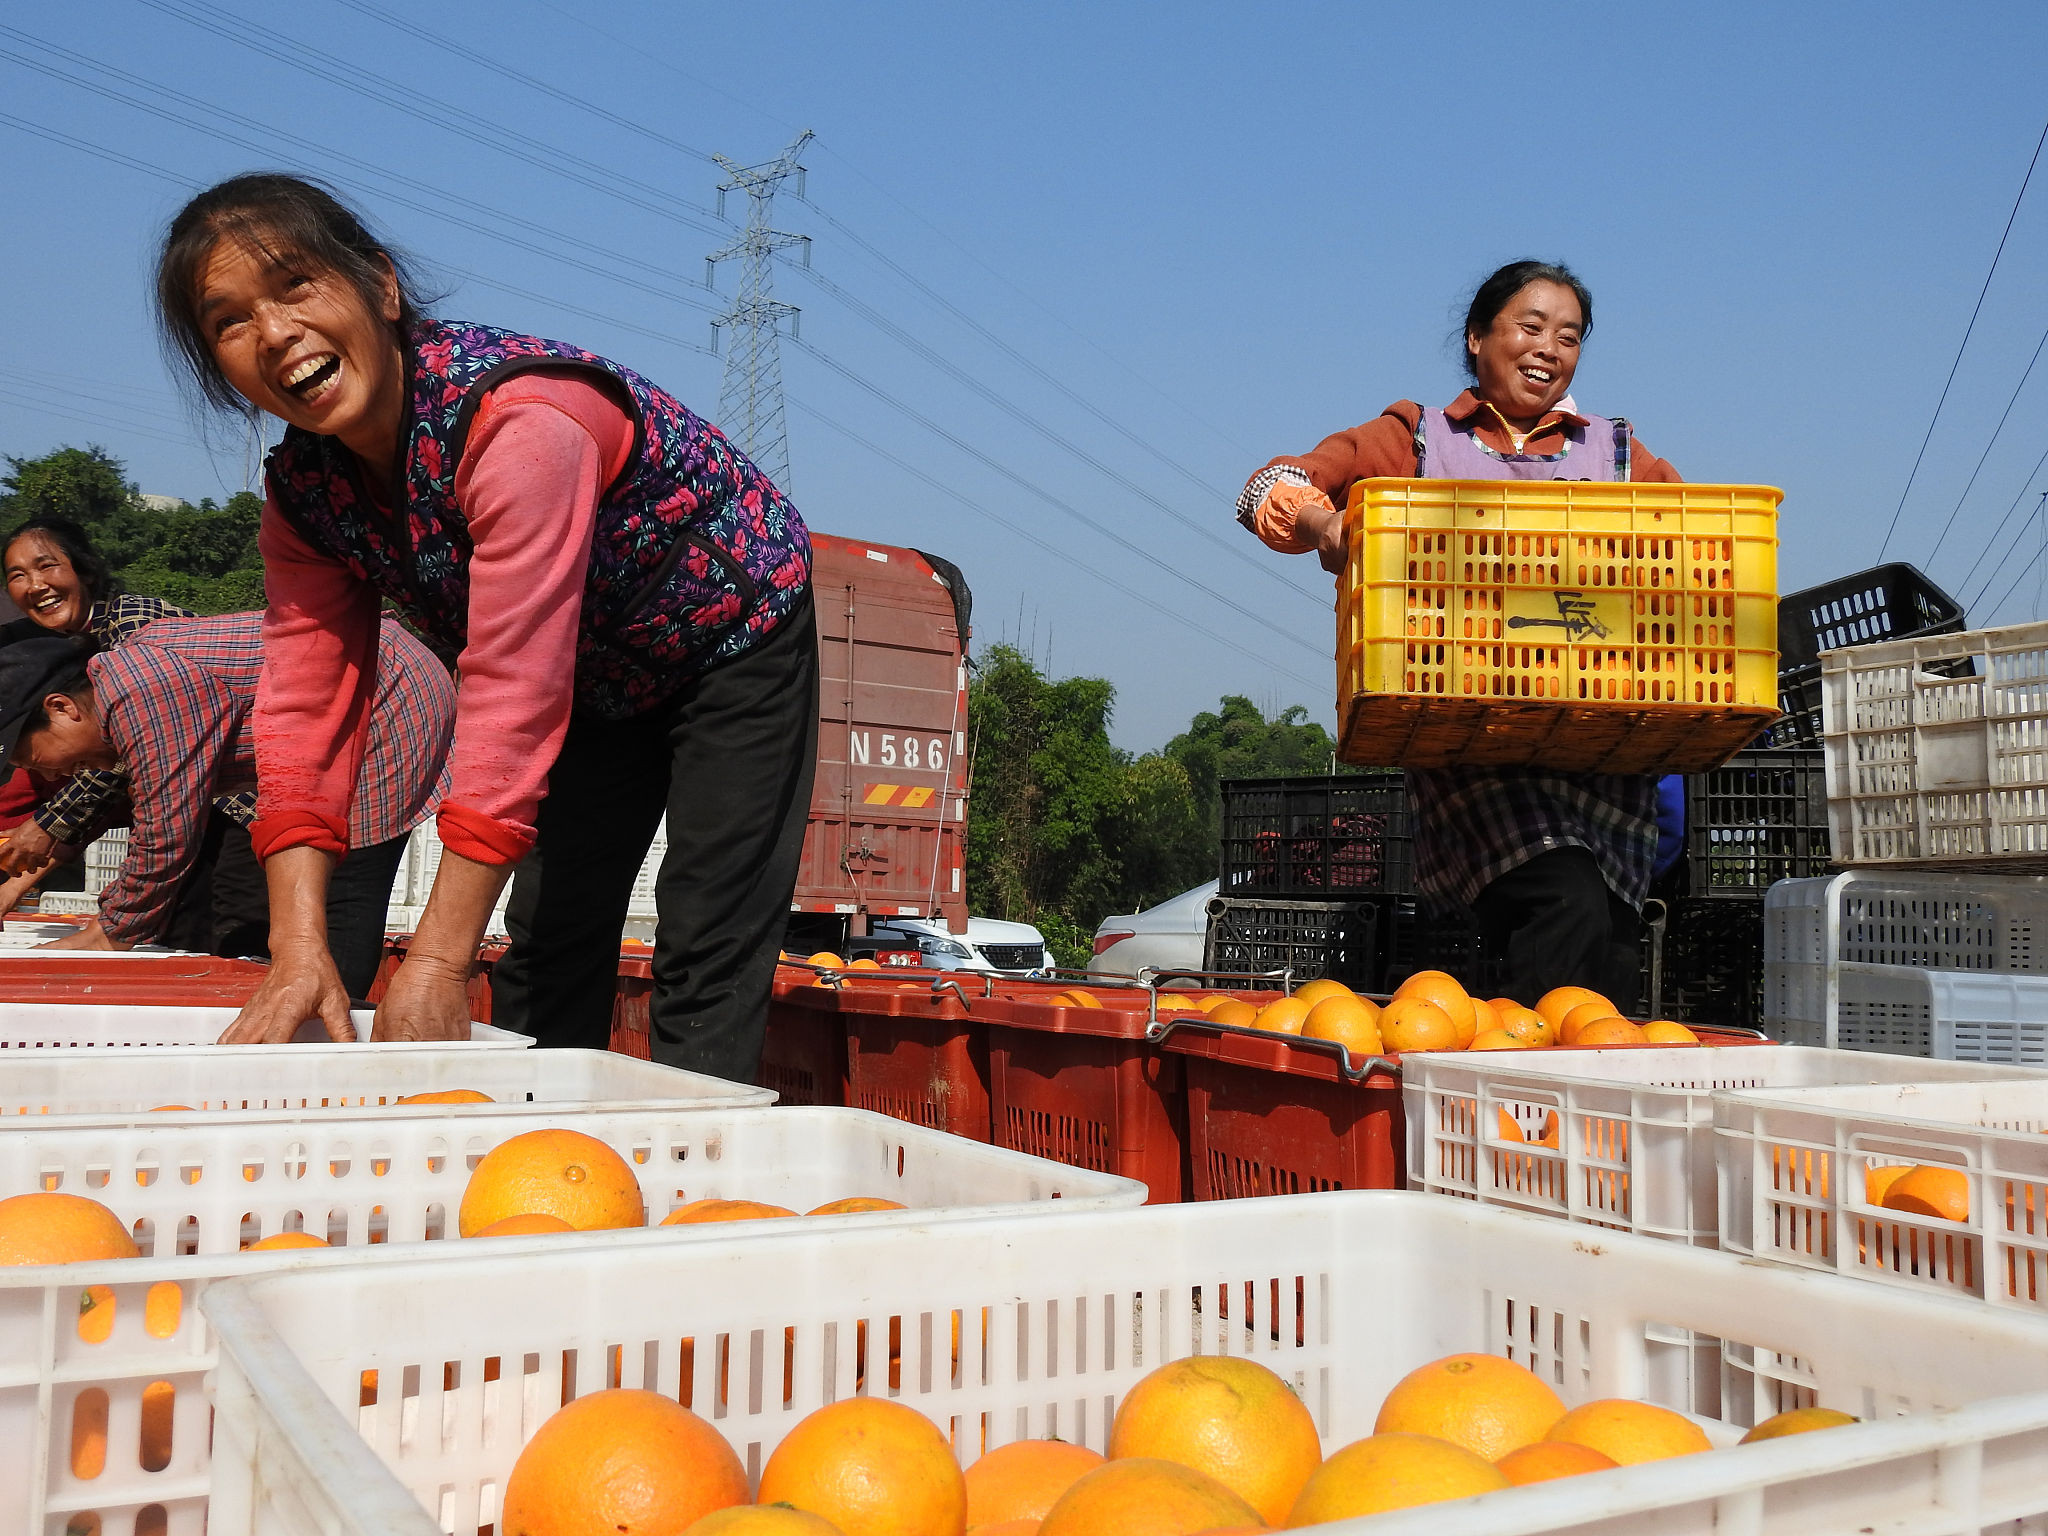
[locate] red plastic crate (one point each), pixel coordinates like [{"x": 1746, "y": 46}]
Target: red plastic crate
[
  {"x": 915, "y": 1054},
  {"x": 488, "y": 954},
  {"x": 1272, "y": 1115},
  {"x": 803, "y": 1049},
  {"x": 630, "y": 1003},
  {"x": 1083, "y": 1086}
]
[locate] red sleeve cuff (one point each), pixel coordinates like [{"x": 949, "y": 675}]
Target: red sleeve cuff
[
  {"x": 298, "y": 829},
  {"x": 483, "y": 838}
]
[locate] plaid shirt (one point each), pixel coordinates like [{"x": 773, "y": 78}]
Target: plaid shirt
[
  {"x": 90, "y": 802},
  {"x": 175, "y": 705},
  {"x": 1481, "y": 823}
]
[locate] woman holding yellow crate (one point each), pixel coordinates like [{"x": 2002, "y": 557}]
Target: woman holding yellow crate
[{"x": 1555, "y": 866}]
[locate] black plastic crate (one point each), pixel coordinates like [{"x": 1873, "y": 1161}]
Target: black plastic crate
[
  {"x": 1714, "y": 960},
  {"x": 1419, "y": 940},
  {"x": 1321, "y": 839},
  {"x": 1888, "y": 602},
  {"x": 1337, "y": 939},
  {"x": 1759, "y": 818}
]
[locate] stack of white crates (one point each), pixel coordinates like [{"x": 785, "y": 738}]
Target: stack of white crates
[
  {"x": 423, "y": 858},
  {"x": 1936, "y": 941}
]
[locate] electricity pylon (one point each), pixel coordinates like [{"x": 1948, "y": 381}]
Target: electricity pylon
[{"x": 750, "y": 400}]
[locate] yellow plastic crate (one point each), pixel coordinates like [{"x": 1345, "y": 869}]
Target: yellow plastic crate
[{"x": 1586, "y": 626}]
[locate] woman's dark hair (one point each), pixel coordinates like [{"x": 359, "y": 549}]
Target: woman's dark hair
[
  {"x": 1497, "y": 290},
  {"x": 283, "y": 218},
  {"x": 94, "y": 574}
]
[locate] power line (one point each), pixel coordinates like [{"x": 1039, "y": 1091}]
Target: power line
[
  {"x": 1995, "y": 431},
  {"x": 1237, "y": 549},
  {"x": 1229, "y": 604},
  {"x": 2019, "y": 496},
  {"x": 671, "y": 281},
  {"x": 439, "y": 113},
  {"x": 1021, "y": 531},
  {"x": 2040, "y": 513},
  {"x": 1952, "y": 367}
]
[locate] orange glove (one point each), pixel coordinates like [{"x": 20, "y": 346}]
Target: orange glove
[{"x": 1296, "y": 519}]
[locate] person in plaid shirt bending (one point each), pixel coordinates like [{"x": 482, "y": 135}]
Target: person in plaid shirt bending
[
  {"x": 63, "y": 586},
  {"x": 173, "y": 707}
]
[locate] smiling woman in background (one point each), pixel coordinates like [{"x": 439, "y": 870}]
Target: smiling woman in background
[
  {"x": 64, "y": 586},
  {"x": 626, "y": 596},
  {"x": 1554, "y": 866}
]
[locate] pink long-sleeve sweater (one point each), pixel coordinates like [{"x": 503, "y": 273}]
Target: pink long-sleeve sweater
[{"x": 539, "y": 455}]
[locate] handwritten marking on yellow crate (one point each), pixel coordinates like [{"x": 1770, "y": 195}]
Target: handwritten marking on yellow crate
[{"x": 1566, "y": 615}]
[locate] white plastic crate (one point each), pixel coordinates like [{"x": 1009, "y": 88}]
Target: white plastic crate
[
  {"x": 415, "y": 882},
  {"x": 1340, "y": 1293},
  {"x": 226, "y": 1084},
  {"x": 1951, "y": 1015},
  {"x": 76, "y": 1026},
  {"x": 195, "y": 1191},
  {"x": 1635, "y": 1127},
  {"x": 1933, "y": 769},
  {"x": 1792, "y": 1175}
]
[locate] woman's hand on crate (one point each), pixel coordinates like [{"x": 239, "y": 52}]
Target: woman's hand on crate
[
  {"x": 302, "y": 984},
  {"x": 428, "y": 999}
]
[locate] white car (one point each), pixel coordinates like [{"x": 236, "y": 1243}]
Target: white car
[
  {"x": 989, "y": 944},
  {"x": 1168, "y": 937}
]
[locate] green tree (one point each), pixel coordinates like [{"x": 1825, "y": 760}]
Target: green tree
[{"x": 203, "y": 558}]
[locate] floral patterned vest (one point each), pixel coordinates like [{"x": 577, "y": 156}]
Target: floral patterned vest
[{"x": 695, "y": 555}]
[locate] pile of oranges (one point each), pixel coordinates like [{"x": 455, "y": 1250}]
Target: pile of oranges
[
  {"x": 1430, "y": 1011},
  {"x": 1920, "y": 1189},
  {"x": 1213, "y": 1445},
  {"x": 537, "y": 1182}
]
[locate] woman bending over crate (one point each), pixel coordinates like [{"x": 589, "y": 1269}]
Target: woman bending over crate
[
  {"x": 174, "y": 706},
  {"x": 627, "y": 596},
  {"x": 1554, "y": 866}
]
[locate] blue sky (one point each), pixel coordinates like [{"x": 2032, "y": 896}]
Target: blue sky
[{"x": 1213, "y": 233}]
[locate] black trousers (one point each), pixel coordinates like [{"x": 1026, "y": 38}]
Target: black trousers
[
  {"x": 1552, "y": 922},
  {"x": 236, "y": 911},
  {"x": 730, "y": 761}
]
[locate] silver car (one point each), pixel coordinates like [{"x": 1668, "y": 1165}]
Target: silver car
[{"x": 1167, "y": 937}]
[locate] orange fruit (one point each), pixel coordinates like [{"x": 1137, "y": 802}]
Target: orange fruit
[
  {"x": 558, "y": 1173},
  {"x": 1395, "y": 1471},
  {"x": 1283, "y": 1016},
  {"x": 620, "y": 1459},
  {"x": 1559, "y": 1001},
  {"x": 525, "y": 1224},
  {"x": 1010, "y": 1528},
  {"x": 1526, "y": 1025},
  {"x": 1608, "y": 1032},
  {"x": 1572, "y": 1023},
  {"x": 1669, "y": 1032},
  {"x": 764, "y": 1520},
  {"x": 872, "y": 1467},
  {"x": 723, "y": 1210},
  {"x": 53, "y": 1228},
  {"x": 1496, "y": 1040},
  {"x": 1075, "y": 999},
  {"x": 1321, "y": 990},
  {"x": 1546, "y": 1459},
  {"x": 449, "y": 1096},
  {"x": 1630, "y": 1432},
  {"x": 1484, "y": 1016},
  {"x": 166, "y": 1109},
  {"x": 1024, "y": 1479},
  {"x": 1351, "y": 1021},
  {"x": 865, "y": 963},
  {"x": 278, "y": 1240},
  {"x": 1487, "y": 1404},
  {"x": 1228, "y": 1418},
  {"x": 1231, "y": 1011},
  {"x": 1876, "y": 1181},
  {"x": 1415, "y": 1024},
  {"x": 159, "y": 1405},
  {"x": 1443, "y": 990},
  {"x": 1798, "y": 1421},
  {"x": 825, "y": 957},
  {"x": 1931, "y": 1191},
  {"x": 1511, "y": 1128},
  {"x": 1146, "y": 1496},
  {"x": 854, "y": 1205}
]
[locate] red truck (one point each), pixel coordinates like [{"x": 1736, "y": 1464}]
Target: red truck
[{"x": 888, "y": 831}]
